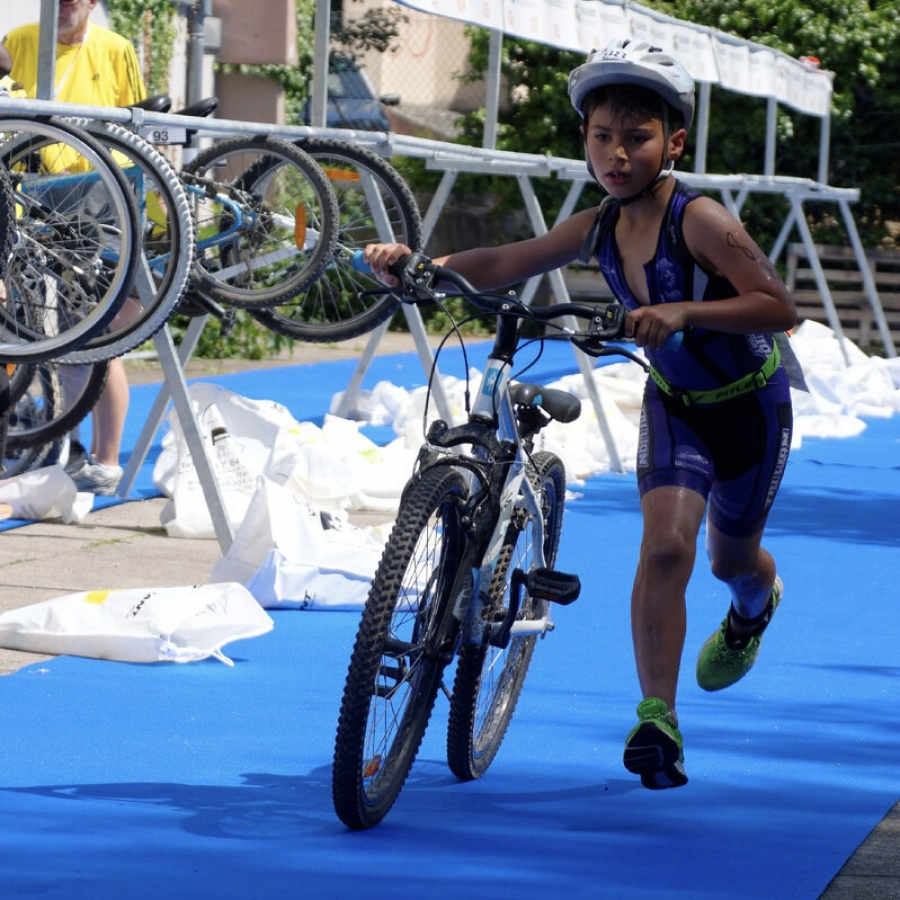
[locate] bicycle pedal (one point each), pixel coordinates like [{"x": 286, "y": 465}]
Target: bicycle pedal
[{"x": 556, "y": 587}]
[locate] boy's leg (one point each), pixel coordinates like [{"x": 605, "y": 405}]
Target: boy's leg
[
  {"x": 749, "y": 571},
  {"x": 672, "y": 517}
]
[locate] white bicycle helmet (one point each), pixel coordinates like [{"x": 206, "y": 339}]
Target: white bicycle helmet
[{"x": 638, "y": 63}]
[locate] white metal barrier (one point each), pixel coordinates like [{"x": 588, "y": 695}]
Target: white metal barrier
[{"x": 453, "y": 160}]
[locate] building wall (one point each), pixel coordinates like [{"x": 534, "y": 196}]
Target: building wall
[
  {"x": 431, "y": 51},
  {"x": 264, "y": 31}
]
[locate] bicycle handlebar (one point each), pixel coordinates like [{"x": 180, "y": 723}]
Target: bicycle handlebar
[{"x": 418, "y": 277}]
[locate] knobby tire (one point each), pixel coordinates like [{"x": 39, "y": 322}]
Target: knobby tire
[{"x": 400, "y": 652}]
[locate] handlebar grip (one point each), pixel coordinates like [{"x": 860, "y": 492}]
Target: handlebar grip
[
  {"x": 674, "y": 341},
  {"x": 358, "y": 262}
]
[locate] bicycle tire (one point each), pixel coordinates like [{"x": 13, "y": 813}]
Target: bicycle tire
[
  {"x": 374, "y": 205},
  {"x": 167, "y": 243},
  {"x": 19, "y": 380},
  {"x": 400, "y": 652},
  {"x": 38, "y": 402},
  {"x": 489, "y": 679},
  {"x": 7, "y": 218},
  {"x": 288, "y": 226},
  {"x": 77, "y": 396},
  {"x": 73, "y": 259}
]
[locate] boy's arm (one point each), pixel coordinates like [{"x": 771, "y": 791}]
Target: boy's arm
[
  {"x": 489, "y": 268},
  {"x": 721, "y": 244}
]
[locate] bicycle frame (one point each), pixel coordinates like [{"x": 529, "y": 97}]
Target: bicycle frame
[{"x": 498, "y": 481}]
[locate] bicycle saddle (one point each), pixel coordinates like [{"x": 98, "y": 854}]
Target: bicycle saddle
[
  {"x": 202, "y": 108},
  {"x": 158, "y": 103},
  {"x": 559, "y": 405}
]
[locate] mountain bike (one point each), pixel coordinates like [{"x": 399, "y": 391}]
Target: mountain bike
[
  {"x": 35, "y": 399},
  {"x": 468, "y": 572}
]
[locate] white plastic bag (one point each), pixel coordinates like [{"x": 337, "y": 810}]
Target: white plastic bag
[
  {"x": 47, "y": 493},
  {"x": 288, "y": 558},
  {"x": 180, "y": 624},
  {"x": 239, "y": 433}
]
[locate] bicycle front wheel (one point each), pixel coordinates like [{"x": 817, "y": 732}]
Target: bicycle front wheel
[
  {"x": 489, "y": 679},
  {"x": 374, "y": 206},
  {"x": 400, "y": 652},
  {"x": 7, "y": 218},
  {"x": 266, "y": 221}
]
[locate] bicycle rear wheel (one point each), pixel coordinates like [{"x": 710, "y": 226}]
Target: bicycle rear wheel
[
  {"x": 489, "y": 679},
  {"x": 374, "y": 205},
  {"x": 400, "y": 652},
  {"x": 73, "y": 259},
  {"x": 266, "y": 221}
]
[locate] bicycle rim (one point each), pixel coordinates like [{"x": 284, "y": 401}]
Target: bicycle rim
[
  {"x": 167, "y": 244},
  {"x": 489, "y": 679},
  {"x": 399, "y": 653},
  {"x": 79, "y": 389},
  {"x": 73, "y": 260},
  {"x": 374, "y": 205},
  {"x": 266, "y": 221}
]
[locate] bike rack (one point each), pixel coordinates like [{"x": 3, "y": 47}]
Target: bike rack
[{"x": 454, "y": 159}]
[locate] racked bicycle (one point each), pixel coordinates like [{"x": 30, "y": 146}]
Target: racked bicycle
[{"x": 468, "y": 571}]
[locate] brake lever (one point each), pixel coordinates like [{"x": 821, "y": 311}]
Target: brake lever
[
  {"x": 416, "y": 274},
  {"x": 610, "y": 326},
  {"x": 605, "y": 325}
]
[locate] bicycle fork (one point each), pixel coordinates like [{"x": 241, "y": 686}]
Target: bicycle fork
[{"x": 485, "y": 618}]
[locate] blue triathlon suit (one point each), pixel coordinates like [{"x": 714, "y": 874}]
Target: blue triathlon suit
[{"x": 732, "y": 452}]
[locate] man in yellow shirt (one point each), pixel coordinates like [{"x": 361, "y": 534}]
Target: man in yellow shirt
[{"x": 94, "y": 67}]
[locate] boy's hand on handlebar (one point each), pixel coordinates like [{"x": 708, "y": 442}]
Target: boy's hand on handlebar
[
  {"x": 653, "y": 326},
  {"x": 380, "y": 257}
]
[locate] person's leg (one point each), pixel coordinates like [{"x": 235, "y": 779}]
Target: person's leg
[
  {"x": 109, "y": 416},
  {"x": 745, "y": 566},
  {"x": 672, "y": 517},
  {"x": 749, "y": 571},
  {"x": 100, "y": 473}
]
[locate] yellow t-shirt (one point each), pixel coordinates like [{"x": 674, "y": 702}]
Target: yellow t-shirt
[{"x": 102, "y": 70}]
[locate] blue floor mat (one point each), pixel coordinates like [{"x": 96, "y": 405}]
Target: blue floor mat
[{"x": 202, "y": 780}]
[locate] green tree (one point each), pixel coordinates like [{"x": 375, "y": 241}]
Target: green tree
[
  {"x": 855, "y": 39},
  {"x": 150, "y": 26},
  {"x": 536, "y": 118}
]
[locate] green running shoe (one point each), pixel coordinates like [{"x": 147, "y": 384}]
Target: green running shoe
[
  {"x": 654, "y": 748},
  {"x": 722, "y": 661}
]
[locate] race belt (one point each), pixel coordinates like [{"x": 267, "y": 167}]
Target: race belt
[{"x": 751, "y": 382}]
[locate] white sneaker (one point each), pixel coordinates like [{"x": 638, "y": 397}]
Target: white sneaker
[
  {"x": 97, "y": 478},
  {"x": 78, "y": 456}
]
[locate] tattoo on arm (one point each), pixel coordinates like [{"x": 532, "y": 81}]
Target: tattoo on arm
[{"x": 763, "y": 263}]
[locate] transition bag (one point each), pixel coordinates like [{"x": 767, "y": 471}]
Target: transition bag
[{"x": 179, "y": 624}]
